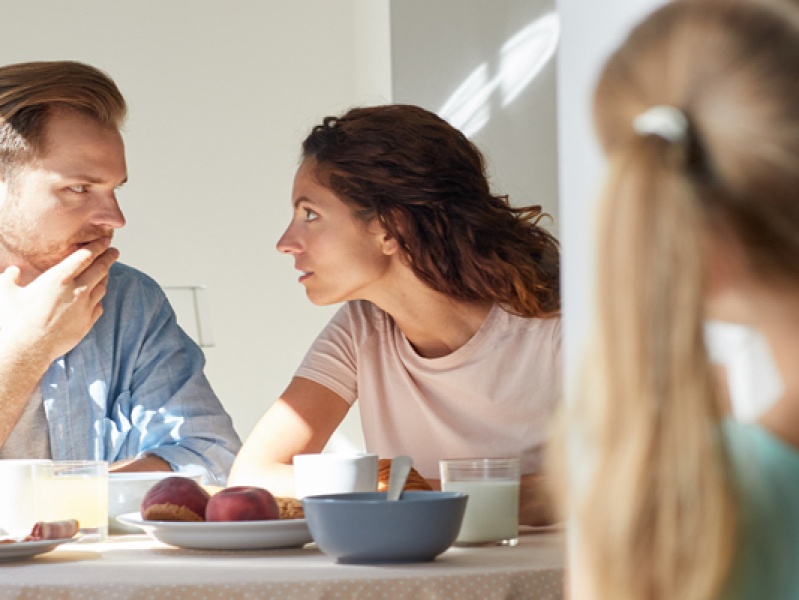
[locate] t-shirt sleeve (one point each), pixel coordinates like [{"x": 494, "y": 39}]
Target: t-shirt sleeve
[{"x": 332, "y": 359}]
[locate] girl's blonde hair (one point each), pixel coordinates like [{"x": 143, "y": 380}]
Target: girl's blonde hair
[{"x": 655, "y": 509}]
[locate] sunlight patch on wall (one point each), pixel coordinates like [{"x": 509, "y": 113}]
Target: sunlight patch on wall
[{"x": 521, "y": 58}]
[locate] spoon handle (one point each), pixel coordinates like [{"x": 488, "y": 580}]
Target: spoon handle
[{"x": 400, "y": 467}]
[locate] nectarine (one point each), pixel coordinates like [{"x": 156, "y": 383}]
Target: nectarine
[
  {"x": 175, "y": 499},
  {"x": 242, "y": 503}
]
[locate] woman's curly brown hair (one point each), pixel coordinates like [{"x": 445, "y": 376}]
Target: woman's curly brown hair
[{"x": 426, "y": 183}]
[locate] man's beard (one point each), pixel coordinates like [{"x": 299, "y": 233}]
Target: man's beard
[{"x": 20, "y": 241}]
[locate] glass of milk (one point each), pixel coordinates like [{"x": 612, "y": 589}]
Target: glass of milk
[
  {"x": 76, "y": 489},
  {"x": 492, "y": 510}
]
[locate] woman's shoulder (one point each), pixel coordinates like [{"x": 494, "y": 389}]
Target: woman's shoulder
[
  {"x": 360, "y": 320},
  {"x": 549, "y": 328},
  {"x": 365, "y": 313}
]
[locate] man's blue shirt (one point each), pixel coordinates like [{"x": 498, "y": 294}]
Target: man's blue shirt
[{"x": 135, "y": 386}]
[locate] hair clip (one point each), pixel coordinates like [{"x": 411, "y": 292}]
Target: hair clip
[{"x": 666, "y": 122}]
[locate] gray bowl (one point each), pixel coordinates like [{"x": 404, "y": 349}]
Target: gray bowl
[{"x": 364, "y": 527}]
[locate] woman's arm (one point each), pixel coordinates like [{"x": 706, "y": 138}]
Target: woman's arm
[
  {"x": 301, "y": 421},
  {"x": 535, "y": 502}
]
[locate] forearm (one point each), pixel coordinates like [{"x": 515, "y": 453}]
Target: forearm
[
  {"x": 21, "y": 370},
  {"x": 145, "y": 463},
  {"x": 301, "y": 421},
  {"x": 275, "y": 477}
]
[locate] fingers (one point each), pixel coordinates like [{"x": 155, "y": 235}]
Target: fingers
[
  {"x": 98, "y": 270},
  {"x": 12, "y": 274},
  {"x": 99, "y": 290},
  {"x": 80, "y": 260}
]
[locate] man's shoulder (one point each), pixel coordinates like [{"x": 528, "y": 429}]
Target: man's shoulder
[
  {"x": 122, "y": 274},
  {"x": 125, "y": 282}
]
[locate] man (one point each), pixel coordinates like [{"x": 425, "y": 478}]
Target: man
[{"x": 92, "y": 362}]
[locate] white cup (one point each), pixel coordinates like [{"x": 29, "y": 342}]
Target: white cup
[
  {"x": 332, "y": 473},
  {"x": 19, "y": 510}
]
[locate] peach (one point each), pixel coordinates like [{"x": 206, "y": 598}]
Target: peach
[
  {"x": 242, "y": 503},
  {"x": 175, "y": 499}
]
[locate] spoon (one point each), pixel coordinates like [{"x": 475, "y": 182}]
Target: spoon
[{"x": 400, "y": 467}]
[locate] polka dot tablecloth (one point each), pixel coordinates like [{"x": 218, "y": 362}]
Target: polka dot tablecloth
[{"x": 135, "y": 567}]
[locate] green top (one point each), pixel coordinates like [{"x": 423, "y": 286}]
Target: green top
[{"x": 766, "y": 470}]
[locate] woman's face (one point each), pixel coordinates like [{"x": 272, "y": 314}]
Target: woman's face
[{"x": 341, "y": 258}]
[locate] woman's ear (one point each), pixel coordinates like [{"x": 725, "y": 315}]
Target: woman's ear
[{"x": 389, "y": 244}]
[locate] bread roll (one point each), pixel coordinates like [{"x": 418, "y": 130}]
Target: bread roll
[{"x": 414, "y": 482}]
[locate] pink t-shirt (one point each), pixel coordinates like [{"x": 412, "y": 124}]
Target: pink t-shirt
[{"x": 493, "y": 397}]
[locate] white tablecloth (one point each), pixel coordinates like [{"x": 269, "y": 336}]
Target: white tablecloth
[{"x": 135, "y": 567}]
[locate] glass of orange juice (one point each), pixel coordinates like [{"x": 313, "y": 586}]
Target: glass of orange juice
[{"x": 76, "y": 489}]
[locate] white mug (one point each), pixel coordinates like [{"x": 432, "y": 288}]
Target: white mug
[
  {"x": 19, "y": 510},
  {"x": 333, "y": 473}
]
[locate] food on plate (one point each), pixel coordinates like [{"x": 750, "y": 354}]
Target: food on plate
[
  {"x": 175, "y": 499},
  {"x": 290, "y": 508},
  {"x": 242, "y": 503},
  {"x": 53, "y": 530},
  {"x": 48, "y": 530},
  {"x": 414, "y": 482},
  {"x": 183, "y": 499}
]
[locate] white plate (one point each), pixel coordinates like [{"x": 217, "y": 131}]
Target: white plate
[
  {"x": 225, "y": 535},
  {"x": 21, "y": 550}
]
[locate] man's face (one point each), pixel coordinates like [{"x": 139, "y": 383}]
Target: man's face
[{"x": 65, "y": 198}]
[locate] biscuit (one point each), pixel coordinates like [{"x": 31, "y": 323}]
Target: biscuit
[{"x": 290, "y": 508}]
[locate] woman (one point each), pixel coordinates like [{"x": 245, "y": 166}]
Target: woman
[
  {"x": 449, "y": 337},
  {"x": 697, "y": 113}
]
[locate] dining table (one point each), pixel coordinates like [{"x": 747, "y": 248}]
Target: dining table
[{"x": 135, "y": 566}]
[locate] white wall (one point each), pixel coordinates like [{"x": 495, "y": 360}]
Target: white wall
[
  {"x": 590, "y": 32},
  {"x": 488, "y": 68},
  {"x": 221, "y": 95}
]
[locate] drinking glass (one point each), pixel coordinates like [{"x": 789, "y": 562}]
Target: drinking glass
[
  {"x": 492, "y": 510},
  {"x": 76, "y": 489}
]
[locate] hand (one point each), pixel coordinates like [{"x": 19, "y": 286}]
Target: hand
[
  {"x": 149, "y": 462},
  {"x": 50, "y": 315},
  {"x": 536, "y": 506}
]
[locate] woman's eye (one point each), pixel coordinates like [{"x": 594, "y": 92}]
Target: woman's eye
[
  {"x": 310, "y": 215},
  {"x": 78, "y": 189}
]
